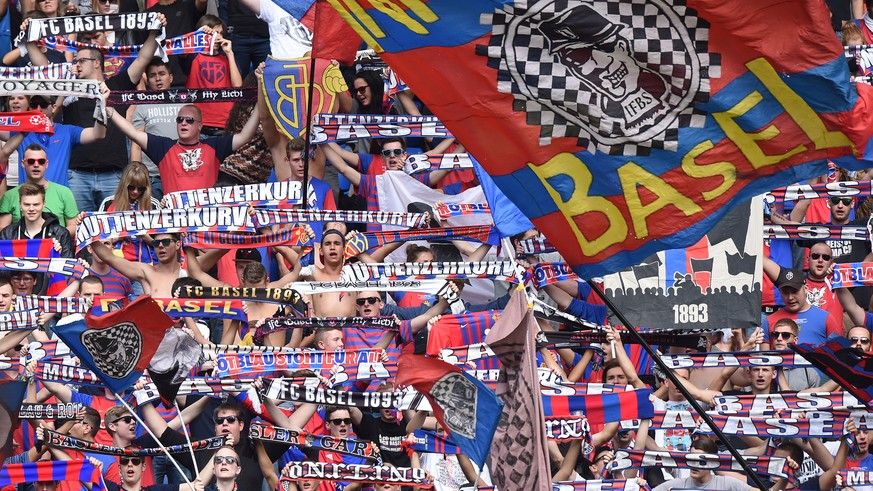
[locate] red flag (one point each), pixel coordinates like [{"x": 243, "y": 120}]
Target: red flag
[
  {"x": 118, "y": 346},
  {"x": 332, "y": 37},
  {"x": 464, "y": 406}
]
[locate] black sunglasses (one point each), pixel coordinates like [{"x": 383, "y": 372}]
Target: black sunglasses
[
  {"x": 846, "y": 201},
  {"x": 221, "y": 419},
  {"x": 42, "y": 103},
  {"x": 129, "y": 460},
  {"x": 222, "y": 459},
  {"x": 131, "y": 188},
  {"x": 339, "y": 421},
  {"x": 781, "y": 334},
  {"x": 396, "y": 152},
  {"x": 816, "y": 255},
  {"x": 126, "y": 419},
  {"x": 860, "y": 340},
  {"x": 361, "y": 90},
  {"x": 35, "y": 161},
  {"x": 367, "y": 300},
  {"x": 163, "y": 242},
  {"x": 187, "y": 119}
]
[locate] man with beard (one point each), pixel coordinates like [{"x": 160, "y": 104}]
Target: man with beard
[
  {"x": 843, "y": 250},
  {"x": 818, "y": 290}
]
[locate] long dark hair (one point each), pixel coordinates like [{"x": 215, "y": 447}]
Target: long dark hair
[
  {"x": 377, "y": 89},
  {"x": 241, "y": 110}
]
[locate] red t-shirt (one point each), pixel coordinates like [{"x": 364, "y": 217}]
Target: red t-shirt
[
  {"x": 185, "y": 167},
  {"x": 211, "y": 72}
]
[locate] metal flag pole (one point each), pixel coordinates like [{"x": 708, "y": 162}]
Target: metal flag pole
[
  {"x": 151, "y": 433},
  {"x": 669, "y": 374},
  {"x": 188, "y": 439}
]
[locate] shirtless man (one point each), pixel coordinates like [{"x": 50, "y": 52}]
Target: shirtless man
[
  {"x": 157, "y": 281},
  {"x": 332, "y": 255}
]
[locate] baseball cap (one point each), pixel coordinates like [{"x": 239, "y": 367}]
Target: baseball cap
[
  {"x": 248, "y": 255},
  {"x": 791, "y": 278}
]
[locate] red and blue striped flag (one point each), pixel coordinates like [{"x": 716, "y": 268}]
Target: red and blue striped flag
[
  {"x": 52, "y": 470},
  {"x": 602, "y": 408},
  {"x": 41, "y": 248}
]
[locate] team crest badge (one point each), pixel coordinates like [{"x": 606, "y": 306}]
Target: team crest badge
[
  {"x": 457, "y": 396},
  {"x": 620, "y": 76},
  {"x": 115, "y": 350}
]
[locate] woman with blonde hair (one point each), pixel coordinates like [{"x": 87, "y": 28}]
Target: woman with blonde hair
[{"x": 134, "y": 192}]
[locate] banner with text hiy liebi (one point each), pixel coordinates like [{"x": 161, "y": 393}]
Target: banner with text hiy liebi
[
  {"x": 633, "y": 124},
  {"x": 286, "y": 84}
]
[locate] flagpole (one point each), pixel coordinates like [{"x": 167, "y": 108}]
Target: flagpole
[
  {"x": 309, "y": 90},
  {"x": 675, "y": 381},
  {"x": 151, "y": 433},
  {"x": 187, "y": 438}
]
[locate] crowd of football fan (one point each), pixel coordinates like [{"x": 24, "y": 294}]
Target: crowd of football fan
[{"x": 143, "y": 152}]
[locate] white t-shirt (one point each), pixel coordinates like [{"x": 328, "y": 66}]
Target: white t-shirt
[{"x": 289, "y": 38}]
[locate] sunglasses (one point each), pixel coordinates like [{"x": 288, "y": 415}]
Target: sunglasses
[
  {"x": 368, "y": 300},
  {"x": 396, "y": 152},
  {"x": 129, "y": 460},
  {"x": 361, "y": 90},
  {"x": 781, "y": 334},
  {"x": 860, "y": 340},
  {"x": 35, "y": 161},
  {"x": 225, "y": 459},
  {"x": 816, "y": 255},
  {"x": 126, "y": 419},
  {"x": 341, "y": 421},
  {"x": 187, "y": 119},
  {"x": 42, "y": 104},
  {"x": 163, "y": 242},
  {"x": 845, "y": 201},
  {"x": 131, "y": 188},
  {"x": 230, "y": 419}
]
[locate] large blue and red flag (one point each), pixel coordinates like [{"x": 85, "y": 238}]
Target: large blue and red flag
[
  {"x": 626, "y": 127},
  {"x": 118, "y": 346},
  {"x": 41, "y": 248},
  {"x": 850, "y": 367},
  {"x": 467, "y": 409}
]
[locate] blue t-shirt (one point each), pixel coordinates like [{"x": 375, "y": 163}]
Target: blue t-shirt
[{"x": 58, "y": 148}]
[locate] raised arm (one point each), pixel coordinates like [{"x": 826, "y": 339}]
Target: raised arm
[
  {"x": 341, "y": 166},
  {"x": 146, "y": 53},
  {"x": 847, "y": 300},
  {"x": 249, "y": 130},
  {"x": 133, "y": 270},
  {"x": 195, "y": 269},
  {"x": 141, "y": 138},
  {"x": 627, "y": 366}
]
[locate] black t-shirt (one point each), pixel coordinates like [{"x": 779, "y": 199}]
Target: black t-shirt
[
  {"x": 243, "y": 22},
  {"x": 109, "y": 153},
  {"x": 182, "y": 16},
  {"x": 250, "y": 477},
  {"x": 388, "y": 436}
]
